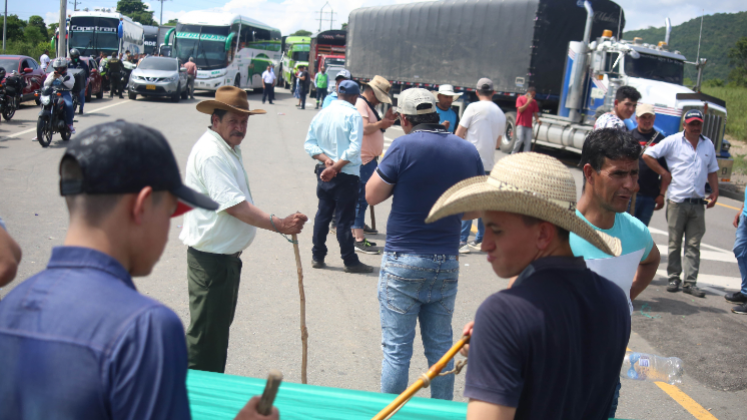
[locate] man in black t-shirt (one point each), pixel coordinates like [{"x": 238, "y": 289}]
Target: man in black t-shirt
[
  {"x": 652, "y": 190},
  {"x": 303, "y": 84},
  {"x": 551, "y": 346}
]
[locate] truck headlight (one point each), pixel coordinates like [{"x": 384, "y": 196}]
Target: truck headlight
[{"x": 45, "y": 100}]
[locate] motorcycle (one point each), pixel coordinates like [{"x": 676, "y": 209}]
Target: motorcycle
[
  {"x": 52, "y": 115},
  {"x": 11, "y": 95}
]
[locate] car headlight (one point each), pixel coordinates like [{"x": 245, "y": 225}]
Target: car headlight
[
  {"x": 174, "y": 78},
  {"x": 45, "y": 100}
]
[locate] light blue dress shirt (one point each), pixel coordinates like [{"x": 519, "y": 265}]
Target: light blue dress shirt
[{"x": 337, "y": 131}]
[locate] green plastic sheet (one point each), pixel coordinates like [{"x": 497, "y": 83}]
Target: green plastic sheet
[{"x": 216, "y": 396}]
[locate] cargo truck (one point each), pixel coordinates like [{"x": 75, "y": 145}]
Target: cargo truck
[
  {"x": 568, "y": 50},
  {"x": 327, "y": 48}
]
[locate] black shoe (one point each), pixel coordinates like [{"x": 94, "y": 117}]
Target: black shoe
[
  {"x": 366, "y": 247},
  {"x": 736, "y": 297},
  {"x": 475, "y": 246},
  {"x": 80, "y": 111},
  {"x": 674, "y": 285},
  {"x": 693, "y": 290},
  {"x": 367, "y": 229},
  {"x": 317, "y": 264},
  {"x": 740, "y": 310},
  {"x": 317, "y": 106},
  {"x": 121, "y": 97},
  {"x": 359, "y": 269}
]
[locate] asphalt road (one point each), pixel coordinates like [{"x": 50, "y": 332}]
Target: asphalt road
[{"x": 342, "y": 309}]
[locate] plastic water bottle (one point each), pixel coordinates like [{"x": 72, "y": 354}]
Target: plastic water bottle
[{"x": 650, "y": 367}]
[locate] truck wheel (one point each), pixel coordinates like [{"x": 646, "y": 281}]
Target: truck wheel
[{"x": 507, "y": 141}]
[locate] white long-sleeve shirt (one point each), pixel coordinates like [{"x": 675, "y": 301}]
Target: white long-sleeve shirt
[{"x": 67, "y": 80}]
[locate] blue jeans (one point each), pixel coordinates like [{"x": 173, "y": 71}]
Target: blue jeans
[
  {"x": 336, "y": 199},
  {"x": 615, "y": 399},
  {"x": 740, "y": 250},
  {"x": 467, "y": 228},
  {"x": 367, "y": 171},
  {"x": 82, "y": 96},
  {"x": 69, "y": 111},
  {"x": 644, "y": 208},
  {"x": 321, "y": 93},
  {"x": 411, "y": 288}
]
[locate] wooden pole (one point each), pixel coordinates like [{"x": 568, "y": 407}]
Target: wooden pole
[
  {"x": 432, "y": 373},
  {"x": 373, "y": 218},
  {"x": 271, "y": 390},
  {"x": 304, "y": 332}
]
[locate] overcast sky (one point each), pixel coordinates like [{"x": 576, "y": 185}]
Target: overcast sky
[{"x": 291, "y": 15}]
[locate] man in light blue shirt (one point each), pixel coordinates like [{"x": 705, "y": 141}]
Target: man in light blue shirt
[
  {"x": 334, "y": 139},
  {"x": 341, "y": 76}
]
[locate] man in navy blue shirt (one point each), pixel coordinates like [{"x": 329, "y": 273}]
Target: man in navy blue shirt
[
  {"x": 552, "y": 345},
  {"x": 419, "y": 269},
  {"x": 77, "y": 340}
]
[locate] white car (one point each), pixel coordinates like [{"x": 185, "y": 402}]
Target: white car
[{"x": 159, "y": 76}]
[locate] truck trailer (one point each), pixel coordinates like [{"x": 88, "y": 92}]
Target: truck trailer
[
  {"x": 570, "y": 51},
  {"x": 327, "y": 48}
]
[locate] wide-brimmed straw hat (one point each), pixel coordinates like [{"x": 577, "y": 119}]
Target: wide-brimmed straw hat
[
  {"x": 381, "y": 88},
  {"x": 446, "y": 90},
  {"x": 530, "y": 184},
  {"x": 228, "y": 98}
]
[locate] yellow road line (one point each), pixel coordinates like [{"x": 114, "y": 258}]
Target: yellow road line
[
  {"x": 727, "y": 206},
  {"x": 686, "y": 402}
]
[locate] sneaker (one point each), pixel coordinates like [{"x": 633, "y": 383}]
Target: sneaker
[
  {"x": 475, "y": 246},
  {"x": 740, "y": 310},
  {"x": 674, "y": 285},
  {"x": 736, "y": 297},
  {"x": 72, "y": 129},
  {"x": 693, "y": 290},
  {"x": 359, "y": 268},
  {"x": 366, "y": 247},
  {"x": 367, "y": 229},
  {"x": 317, "y": 264},
  {"x": 464, "y": 248}
]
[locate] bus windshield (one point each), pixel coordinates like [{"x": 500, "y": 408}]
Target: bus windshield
[
  {"x": 300, "y": 56},
  {"x": 206, "y": 44},
  {"x": 655, "y": 67},
  {"x": 91, "y": 35}
]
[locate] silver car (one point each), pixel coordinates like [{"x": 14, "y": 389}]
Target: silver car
[{"x": 159, "y": 76}]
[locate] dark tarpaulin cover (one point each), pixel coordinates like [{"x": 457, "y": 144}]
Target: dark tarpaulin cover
[{"x": 459, "y": 41}]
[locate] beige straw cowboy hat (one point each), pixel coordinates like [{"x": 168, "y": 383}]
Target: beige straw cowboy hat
[
  {"x": 531, "y": 184},
  {"x": 380, "y": 88},
  {"x": 228, "y": 98}
]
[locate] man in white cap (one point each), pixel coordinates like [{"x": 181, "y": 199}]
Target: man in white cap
[
  {"x": 448, "y": 117},
  {"x": 651, "y": 190},
  {"x": 419, "y": 269},
  {"x": 341, "y": 76},
  {"x": 483, "y": 125},
  {"x": 559, "y": 326},
  {"x": 376, "y": 92}
]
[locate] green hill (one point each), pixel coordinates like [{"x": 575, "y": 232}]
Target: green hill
[{"x": 720, "y": 32}]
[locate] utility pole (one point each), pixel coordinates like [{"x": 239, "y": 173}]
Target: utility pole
[
  {"x": 5, "y": 25},
  {"x": 331, "y": 17},
  {"x": 321, "y": 15},
  {"x": 62, "y": 43},
  {"x": 75, "y": 5}
]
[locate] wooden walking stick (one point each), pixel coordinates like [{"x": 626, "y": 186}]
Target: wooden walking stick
[
  {"x": 271, "y": 390},
  {"x": 304, "y": 332},
  {"x": 423, "y": 381},
  {"x": 373, "y": 218}
]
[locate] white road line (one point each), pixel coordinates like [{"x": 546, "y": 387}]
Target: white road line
[{"x": 31, "y": 130}]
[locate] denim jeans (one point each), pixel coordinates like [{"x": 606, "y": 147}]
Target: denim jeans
[
  {"x": 416, "y": 288},
  {"x": 644, "y": 208},
  {"x": 367, "y": 171},
  {"x": 336, "y": 199},
  {"x": 321, "y": 93},
  {"x": 467, "y": 228},
  {"x": 740, "y": 250},
  {"x": 82, "y": 96},
  {"x": 523, "y": 142},
  {"x": 69, "y": 111}
]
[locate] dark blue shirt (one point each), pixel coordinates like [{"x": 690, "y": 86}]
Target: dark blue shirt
[
  {"x": 552, "y": 345},
  {"x": 423, "y": 165},
  {"x": 77, "y": 341}
]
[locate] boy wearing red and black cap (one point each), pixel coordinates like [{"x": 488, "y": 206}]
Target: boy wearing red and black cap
[{"x": 691, "y": 158}]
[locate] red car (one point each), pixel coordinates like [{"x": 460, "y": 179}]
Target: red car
[
  {"x": 29, "y": 68},
  {"x": 95, "y": 81}
]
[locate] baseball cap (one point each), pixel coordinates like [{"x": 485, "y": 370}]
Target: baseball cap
[
  {"x": 349, "y": 87},
  {"x": 484, "y": 84},
  {"x": 643, "y": 109},
  {"x": 123, "y": 158},
  {"x": 416, "y": 101},
  {"x": 344, "y": 74},
  {"x": 693, "y": 114}
]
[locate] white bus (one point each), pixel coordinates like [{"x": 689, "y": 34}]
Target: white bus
[
  {"x": 228, "y": 49},
  {"x": 93, "y": 32}
]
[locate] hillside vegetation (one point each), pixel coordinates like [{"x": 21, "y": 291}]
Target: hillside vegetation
[{"x": 720, "y": 32}]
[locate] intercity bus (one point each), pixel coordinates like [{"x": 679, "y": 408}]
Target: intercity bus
[
  {"x": 295, "y": 54},
  {"x": 93, "y": 32}
]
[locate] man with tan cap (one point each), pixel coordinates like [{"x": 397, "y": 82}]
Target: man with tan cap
[
  {"x": 651, "y": 190},
  {"x": 445, "y": 97},
  {"x": 216, "y": 239},
  {"x": 376, "y": 92},
  {"x": 560, "y": 326}
]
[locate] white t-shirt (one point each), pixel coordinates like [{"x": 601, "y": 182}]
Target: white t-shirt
[
  {"x": 484, "y": 122},
  {"x": 44, "y": 61}
]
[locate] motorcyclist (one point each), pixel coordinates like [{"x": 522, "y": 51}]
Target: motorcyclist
[
  {"x": 60, "y": 78},
  {"x": 77, "y": 63},
  {"x": 114, "y": 70}
]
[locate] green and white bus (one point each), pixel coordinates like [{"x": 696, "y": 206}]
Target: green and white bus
[
  {"x": 229, "y": 49},
  {"x": 295, "y": 54}
]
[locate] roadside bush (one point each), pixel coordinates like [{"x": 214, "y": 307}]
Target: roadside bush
[{"x": 33, "y": 50}]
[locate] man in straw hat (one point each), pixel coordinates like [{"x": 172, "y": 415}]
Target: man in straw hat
[
  {"x": 445, "y": 97},
  {"x": 555, "y": 340},
  {"x": 216, "y": 239},
  {"x": 610, "y": 165},
  {"x": 334, "y": 139},
  {"x": 376, "y": 92},
  {"x": 419, "y": 269}
]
